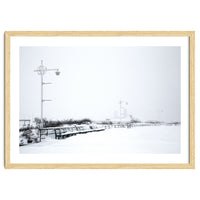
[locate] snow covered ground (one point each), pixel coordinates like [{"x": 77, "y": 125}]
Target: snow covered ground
[{"x": 148, "y": 139}]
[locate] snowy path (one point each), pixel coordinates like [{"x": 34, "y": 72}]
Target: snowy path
[{"x": 154, "y": 140}]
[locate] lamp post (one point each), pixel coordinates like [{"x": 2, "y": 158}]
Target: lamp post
[{"x": 41, "y": 70}]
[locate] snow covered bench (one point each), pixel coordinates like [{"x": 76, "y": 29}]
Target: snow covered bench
[{"x": 61, "y": 133}]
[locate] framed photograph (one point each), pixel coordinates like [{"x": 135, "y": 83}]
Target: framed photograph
[{"x": 99, "y": 100}]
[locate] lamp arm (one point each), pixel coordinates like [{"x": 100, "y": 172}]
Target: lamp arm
[{"x": 56, "y": 69}]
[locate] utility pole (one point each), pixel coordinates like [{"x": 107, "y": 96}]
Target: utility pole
[{"x": 120, "y": 109}]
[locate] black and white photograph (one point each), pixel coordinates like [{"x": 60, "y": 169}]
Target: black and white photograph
[{"x": 100, "y": 100}]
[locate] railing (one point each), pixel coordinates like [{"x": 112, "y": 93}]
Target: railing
[{"x": 64, "y": 132}]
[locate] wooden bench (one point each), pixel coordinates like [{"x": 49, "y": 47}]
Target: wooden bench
[{"x": 64, "y": 132}]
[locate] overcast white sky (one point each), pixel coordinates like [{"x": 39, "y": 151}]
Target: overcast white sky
[{"x": 94, "y": 79}]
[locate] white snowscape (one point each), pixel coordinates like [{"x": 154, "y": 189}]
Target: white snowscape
[{"x": 148, "y": 139}]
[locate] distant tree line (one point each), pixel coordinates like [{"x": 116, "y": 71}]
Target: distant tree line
[
  {"x": 55, "y": 123},
  {"x": 106, "y": 122}
]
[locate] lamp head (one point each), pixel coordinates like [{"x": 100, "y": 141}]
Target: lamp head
[{"x": 57, "y": 72}]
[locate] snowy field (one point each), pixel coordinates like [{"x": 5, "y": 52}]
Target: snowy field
[{"x": 148, "y": 139}]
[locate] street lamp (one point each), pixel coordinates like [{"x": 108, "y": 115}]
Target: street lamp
[{"x": 41, "y": 70}]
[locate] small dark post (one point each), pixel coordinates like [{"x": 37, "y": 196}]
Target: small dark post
[
  {"x": 40, "y": 134},
  {"x": 55, "y": 134}
]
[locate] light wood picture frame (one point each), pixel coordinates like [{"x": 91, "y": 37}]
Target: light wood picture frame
[{"x": 13, "y": 41}]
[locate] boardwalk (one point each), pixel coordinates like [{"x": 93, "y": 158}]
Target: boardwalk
[{"x": 155, "y": 139}]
